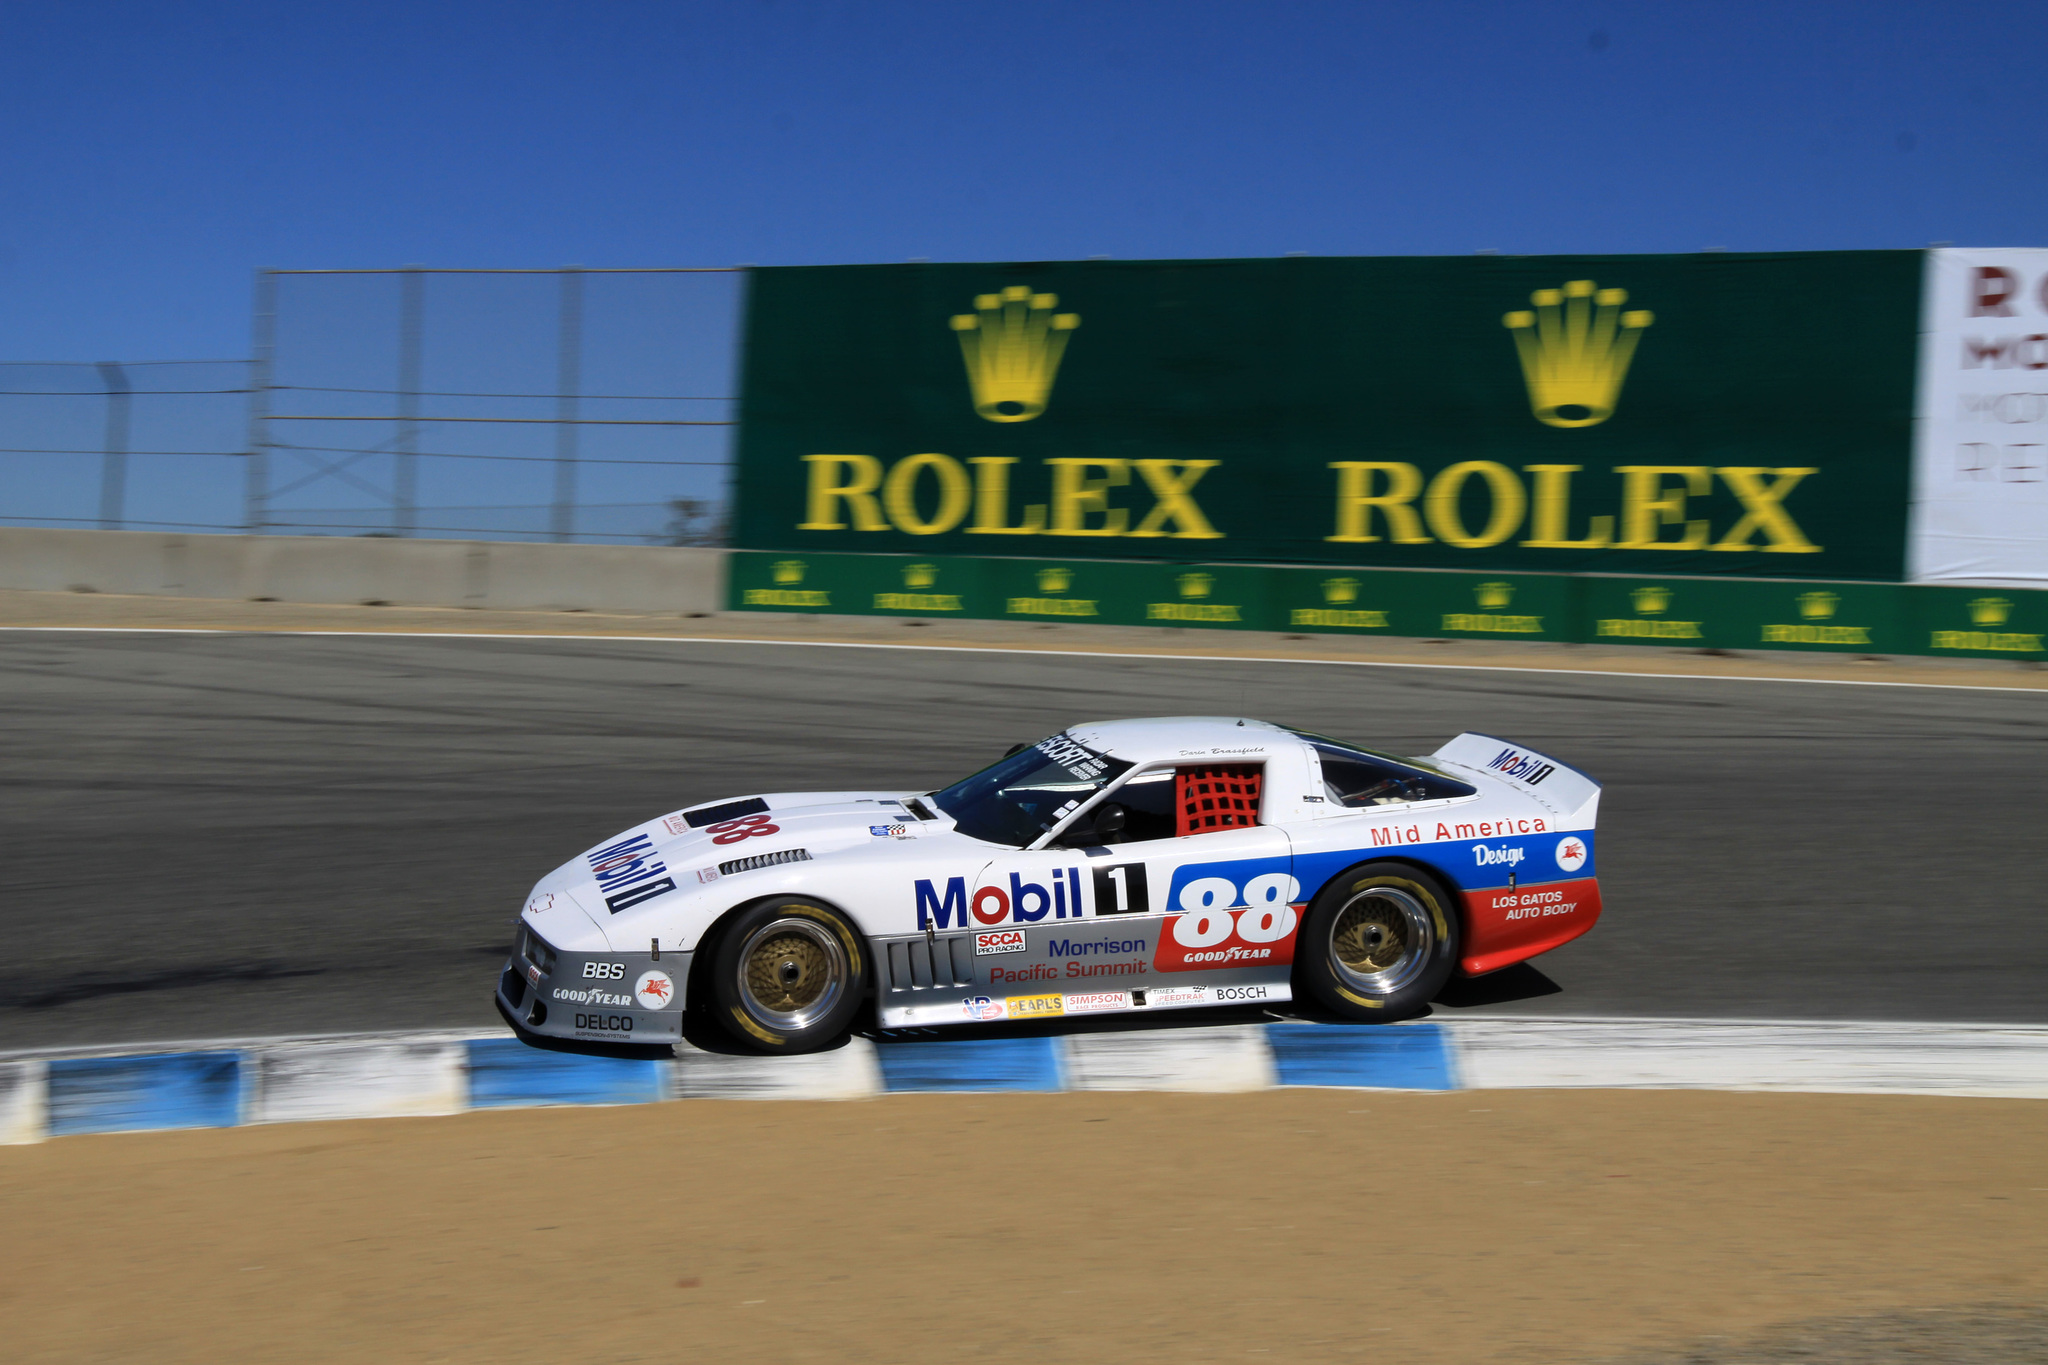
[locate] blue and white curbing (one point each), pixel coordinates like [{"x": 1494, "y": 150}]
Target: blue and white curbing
[{"x": 390, "y": 1076}]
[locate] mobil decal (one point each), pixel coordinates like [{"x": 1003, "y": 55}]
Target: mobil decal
[
  {"x": 628, "y": 873},
  {"x": 1004, "y": 901},
  {"x": 1522, "y": 767},
  {"x": 1232, "y": 915}
]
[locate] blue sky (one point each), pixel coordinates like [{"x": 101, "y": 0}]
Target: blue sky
[{"x": 154, "y": 154}]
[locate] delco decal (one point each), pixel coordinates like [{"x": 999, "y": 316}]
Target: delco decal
[
  {"x": 1520, "y": 766},
  {"x": 629, "y": 872},
  {"x": 1230, "y": 924},
  {"x": 1000, "y": 941}
]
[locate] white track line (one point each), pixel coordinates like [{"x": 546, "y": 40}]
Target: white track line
[{"x": 1001, "y": 649}]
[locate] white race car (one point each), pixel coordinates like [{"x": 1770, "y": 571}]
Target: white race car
[{"x": 1127, "y": 865}]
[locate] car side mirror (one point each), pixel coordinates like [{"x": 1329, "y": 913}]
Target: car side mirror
[
  {"x": 1109, "y": 823},
  {"x": 1014, "y": 750}
]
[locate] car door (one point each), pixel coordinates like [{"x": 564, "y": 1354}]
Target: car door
[{"x": 1181, "y": 908}]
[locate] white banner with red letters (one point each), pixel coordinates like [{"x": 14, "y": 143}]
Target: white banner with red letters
[{"x": 1980, "y": 455}]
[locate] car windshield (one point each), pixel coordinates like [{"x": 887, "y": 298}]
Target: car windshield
[{"x": 1017, "y": 800}]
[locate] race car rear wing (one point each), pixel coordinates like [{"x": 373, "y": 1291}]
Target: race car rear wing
[{"x": 1570, "y": 793}]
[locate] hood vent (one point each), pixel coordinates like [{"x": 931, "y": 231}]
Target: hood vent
[
  {"x": 787, "y": 855},
  {"x": 731, "y": 810}
]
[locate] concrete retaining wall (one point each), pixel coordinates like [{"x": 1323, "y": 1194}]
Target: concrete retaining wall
[{"x": 508, "y": 575}]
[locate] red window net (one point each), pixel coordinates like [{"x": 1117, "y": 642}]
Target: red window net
[{"x": 1224, "y": 796}]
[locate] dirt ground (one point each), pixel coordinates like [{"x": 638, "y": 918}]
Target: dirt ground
[
  {"x": 1475, "y": 1226},
  {"x": 109, "y": 611}
]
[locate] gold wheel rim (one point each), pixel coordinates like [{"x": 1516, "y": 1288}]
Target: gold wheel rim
[
  {"x": 792, "y": 972},
  {"x": 1382, "y": 941}
]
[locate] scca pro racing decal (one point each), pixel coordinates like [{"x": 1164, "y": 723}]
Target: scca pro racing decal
[
  {"x": 628, "y": 873},
  {"x": 1228, "y": 922}
]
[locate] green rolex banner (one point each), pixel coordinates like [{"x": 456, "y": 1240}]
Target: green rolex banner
[{"x": 1724, "y": 414}]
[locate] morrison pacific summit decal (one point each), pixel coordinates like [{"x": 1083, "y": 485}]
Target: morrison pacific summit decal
[{"x": 1500, "y": 414}]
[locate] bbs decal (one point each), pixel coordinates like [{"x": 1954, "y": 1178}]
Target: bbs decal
[{"x": 604, "y": 971}]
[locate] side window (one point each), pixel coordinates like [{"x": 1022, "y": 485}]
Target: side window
[
  {"x": 1216, "y": 796},
  {"x": 1171, "y": 803},
  {"x": 1360, "y": 780},
  {"x": 1148, "y": 802}
]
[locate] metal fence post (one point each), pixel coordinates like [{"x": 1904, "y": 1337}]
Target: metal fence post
[
  {"x": 568, "y": 389},
  {"x": 263, "y": 340},
  {"x": 114, "y": 460},
  {"x": 405, "y": 475}
]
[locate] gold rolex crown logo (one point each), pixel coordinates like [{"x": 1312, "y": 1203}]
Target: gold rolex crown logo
[
  {"x": 1054, "y": 580},
  {"x": 787, "y": 570},
  {"x": 1818, "y": 606},
  {"x": 920, "y": 575},
  {"x": 1340, "y": 590},
  {"x": 1195, "y": 584},
  {"x": 1492, "y": 595},
  {"x": 1575, "y": 350},
  {"x": 1990, "y": 611},
  {"x": 1650, "y": 601},
  {"x": 1012, "y": 344}
]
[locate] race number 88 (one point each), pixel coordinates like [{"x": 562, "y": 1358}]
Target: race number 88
[
  {"x": 1266, "y": 916},
  {"x": 746, "y": 827}
]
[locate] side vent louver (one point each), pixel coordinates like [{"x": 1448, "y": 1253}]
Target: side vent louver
[
  {"x": 929, "y": 964},
  {"x": 787, "y": 855}
]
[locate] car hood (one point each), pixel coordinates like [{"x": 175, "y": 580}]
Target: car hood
[{"x": 652, "y": 870}]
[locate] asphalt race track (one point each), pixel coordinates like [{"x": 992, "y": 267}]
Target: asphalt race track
[{"x": 212, "y": 836}]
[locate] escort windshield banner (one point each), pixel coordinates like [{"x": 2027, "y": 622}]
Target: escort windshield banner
[{"x": 1719, "y": 414}]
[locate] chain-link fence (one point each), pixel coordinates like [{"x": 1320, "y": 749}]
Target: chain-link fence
[
  {"x": 569, "y": 404},
  {"x": 156, "y": 446}
]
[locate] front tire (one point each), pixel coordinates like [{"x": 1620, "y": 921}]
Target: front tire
[
  {"x": 788, "y": 976},
  {"x": 1378, "y": 942}
]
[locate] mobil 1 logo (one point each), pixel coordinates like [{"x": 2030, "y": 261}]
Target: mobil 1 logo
[{"x": 1120, "y": 890}]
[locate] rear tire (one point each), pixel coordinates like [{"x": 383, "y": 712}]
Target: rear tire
[
  {"x": 1378, "y": 942},
  {"x": 788, "y": 976}
]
